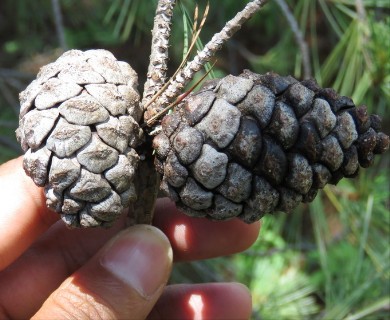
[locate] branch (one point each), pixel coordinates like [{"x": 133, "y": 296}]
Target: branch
[
  {"x": 147, "y": 177},
  {"x": 9, "y": 97},
  {"x": 59, "y": 24},
  {"x": 12, "y": 145},
  {"x": 6, "y": 73},
  {"x": 157, "y": 69},
  {"x": 360, "y": 9},
  {"x": 147, "y": 184},
  {"x": 187, "y": 73},
  {"x": 299, "y": 39}
]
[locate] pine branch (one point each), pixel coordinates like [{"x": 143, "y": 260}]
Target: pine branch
[
  {"x": 10, "y": 144},
  {"x": 59, "y": 23},
  {"x": 188, "y": 72},
  {"x": 299, "y": 39},
  {"x": 148, "y": 180},
  {"x": 147, "y": 184},
  {"x": 157, "y": 69},
  {"x": 9, "y": 97},
  {"x": 360, "y": 9}
]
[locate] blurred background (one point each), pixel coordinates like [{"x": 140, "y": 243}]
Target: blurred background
[{"x": 330, "y": 259}]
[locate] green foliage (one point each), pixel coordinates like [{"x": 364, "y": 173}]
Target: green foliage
[
  {"x": 7, "y": 130},
  {"x": 273, "y": 270},
  {"x": 354, "y": 268},
  {"x": 129, "y": 15}
]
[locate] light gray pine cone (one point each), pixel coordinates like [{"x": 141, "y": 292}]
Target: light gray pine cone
[
  {"x": 79, "y": 128},
  {"x": 255, "y": 144}
]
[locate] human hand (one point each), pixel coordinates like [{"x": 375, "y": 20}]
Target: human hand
[{"x": 50, "y": 271}]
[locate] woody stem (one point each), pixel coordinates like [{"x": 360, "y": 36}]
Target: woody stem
[{"x": 187, "y": 73}]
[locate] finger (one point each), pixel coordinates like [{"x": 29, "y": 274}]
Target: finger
[
  {"x": 27, "y": 283},
  {"x": 61, "y": 251},
  {"x": 190, "y": 237},
  {"x": 24, "y": 215},
  {"x": 200, "y": 238},
  {"x": 204, "y": 301},
  {"x": 124, "y": 280}
]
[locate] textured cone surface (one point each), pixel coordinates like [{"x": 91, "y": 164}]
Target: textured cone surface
[
  {"x": 79, "y": 128},
  {"x": 255, "y": 144}
]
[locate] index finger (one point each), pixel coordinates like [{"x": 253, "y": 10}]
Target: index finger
[
  {"x": 201, "y": 238},
  {"x": 24, "y": 215}
]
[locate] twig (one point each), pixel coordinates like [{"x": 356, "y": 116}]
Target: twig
[
  {"x": 9, "y": 97},
  {"x": 177, "y": 101},
  {"x": 8, "y": 124},
  {"x": 187, "y": 73},
  {"x": 148, "y": 179},
  {"x": 362, "y": 16},
  {"x": 59, "y": 24},
  {"x": 7, "y": 142},
  {"x": 15, "y": 74},
  {"x": 243, "y": 51},
  {"x": 148, "y": 182},
  {"x": 157, "y": 70},
  {"x": 298, "y": 38},
  {"x": 148, "y": 107},
  {"x": 360, "y": 9},
  {"x": 303, "y": 247},
  {"x": 14, "y": 83}
]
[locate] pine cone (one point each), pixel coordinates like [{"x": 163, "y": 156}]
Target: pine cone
[
  {"x": 79, "y": 128},
  {"x": 255, "y": 144}
]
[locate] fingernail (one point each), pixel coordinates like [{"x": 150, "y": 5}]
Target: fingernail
[{"x": 141, "y": 258}]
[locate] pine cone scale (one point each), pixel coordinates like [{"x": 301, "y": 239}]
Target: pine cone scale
[
  {"x": 96, "y": 156},
  {"x": 66, "y": 138},
  {"x": 221, "y": 123},
  {"x": 55, "y": 91},
  {"x": 259, "y": 104},
  {"x": 83, "y": 110},
  {"x": 38, "y": 125},
  {"x": 63, "y": 173},
  {"x": 90, "y": 187},
  {"x": 284, "y": 125},
  {"x": 247, "y": 144},
  {"x": 35, "y": 164}
]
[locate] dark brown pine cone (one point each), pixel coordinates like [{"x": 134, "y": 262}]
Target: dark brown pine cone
[
  {"x": 255, "y": 144},
  {"x": 79, "y": 128}
]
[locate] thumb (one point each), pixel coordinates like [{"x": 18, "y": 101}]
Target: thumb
[{"x": 123, "y": 280}]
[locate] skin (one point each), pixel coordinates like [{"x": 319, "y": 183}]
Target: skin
[{"x": 48, "y": 271}]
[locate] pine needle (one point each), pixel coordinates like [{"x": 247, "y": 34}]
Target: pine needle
[
  {"x": 184, "y": 61},
  {"x": 178, "y": 100}
]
